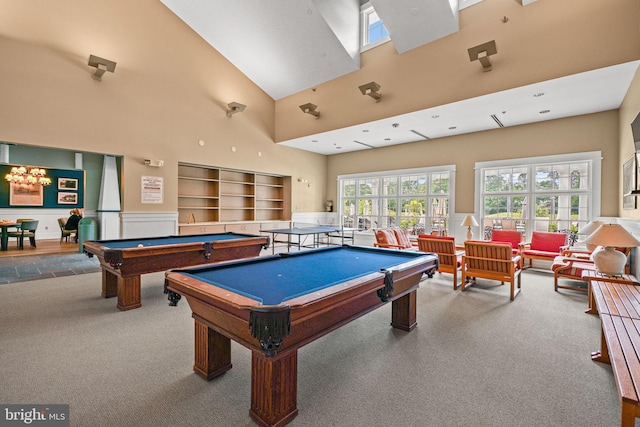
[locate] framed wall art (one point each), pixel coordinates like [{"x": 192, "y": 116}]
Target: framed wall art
[
  {"x": 25, "y": 195},
  {"x": 67, "y": 198},
  {"x": 69, "y": 184},
  {"x": 629, "y": 183}
]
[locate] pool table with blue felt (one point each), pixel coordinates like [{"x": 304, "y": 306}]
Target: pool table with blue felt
[
  {"x": 276, "y": 304},
  {"x": 124, "y": 260}
]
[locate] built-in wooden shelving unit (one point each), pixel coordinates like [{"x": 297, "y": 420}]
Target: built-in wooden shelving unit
[{"x": 208, "y": 195}]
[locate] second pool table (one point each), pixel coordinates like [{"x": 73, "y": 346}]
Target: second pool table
[
  {"x": 276, "y": 304},
  {"x": 124, "y": 260}
]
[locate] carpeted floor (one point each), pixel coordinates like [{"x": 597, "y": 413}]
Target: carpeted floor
[{"x": 475, "y": 359}]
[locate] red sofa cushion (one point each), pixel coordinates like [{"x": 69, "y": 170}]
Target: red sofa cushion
[
  {"x": 547, "y": 242},
  {"x": 507, "y": 236}
]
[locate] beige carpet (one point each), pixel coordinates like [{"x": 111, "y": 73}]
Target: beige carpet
[{"x": 475, "y": 359}]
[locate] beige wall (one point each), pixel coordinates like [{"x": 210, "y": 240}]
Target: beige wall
[
  {"x": 594, "y": 132},
  {"x": 544, "y": 40},
  {"x": 169, "y": 90},
  {"x": 628, "y": 111}
]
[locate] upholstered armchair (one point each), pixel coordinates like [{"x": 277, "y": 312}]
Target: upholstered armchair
[
  {"x": 544, "y": 246},
  {"x": 513, "y": 237}
]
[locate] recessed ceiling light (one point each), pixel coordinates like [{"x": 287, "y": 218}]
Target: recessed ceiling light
[
  {"x": 539, "y": 94},
  {"x": 545, "y": 111}
]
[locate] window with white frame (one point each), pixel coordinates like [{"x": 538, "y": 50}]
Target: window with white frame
[
  {"x": 373, "y": 31},
  {"x": 551, "y": 193},
  {"x": 418, "y": 200}
]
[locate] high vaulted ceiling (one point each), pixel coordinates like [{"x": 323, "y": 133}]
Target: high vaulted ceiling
[{"x": 287, "y": 46}]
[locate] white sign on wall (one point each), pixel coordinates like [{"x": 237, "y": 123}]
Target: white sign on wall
[{"x": 151, "y": 189}]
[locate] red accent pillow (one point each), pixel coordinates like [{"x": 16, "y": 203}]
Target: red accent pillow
[{"x": 548, "y": 242}]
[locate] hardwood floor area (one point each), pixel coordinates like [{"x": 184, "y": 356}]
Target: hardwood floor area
[{"x": 44, "y": 247}]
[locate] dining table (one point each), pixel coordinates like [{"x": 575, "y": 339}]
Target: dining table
[{"x": 4, "y": 232}]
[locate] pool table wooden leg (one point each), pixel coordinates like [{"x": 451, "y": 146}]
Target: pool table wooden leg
[
  {"x": 129, "y": 292},
  {"x": 274, "y": 388},
  {"x": 212, "y": 352},
  {"x": 403, "y": 312},
  {"x": 109, "y": 284}
]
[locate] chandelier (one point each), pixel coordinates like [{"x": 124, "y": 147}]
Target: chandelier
[{"x": 28, "y": 175}]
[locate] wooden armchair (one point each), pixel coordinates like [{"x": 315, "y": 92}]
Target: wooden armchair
[
  {"x": 572, "y": 267},
  {"x": 395, "y": 238},
  {"x": 449, "y": 260},
  {"x": 493, "y": 261},
  {"x": 544, "y": 246}
]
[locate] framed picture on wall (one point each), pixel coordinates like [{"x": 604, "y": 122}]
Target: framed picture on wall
[
  {"x": 67, "y": 198},
  {"x": 25, "y": 195},
  {"x": 629, "y": 183},
  {"x": 70, "y": 184}
]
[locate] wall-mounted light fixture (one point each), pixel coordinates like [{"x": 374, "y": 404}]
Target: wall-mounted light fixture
[
  {"x": 154, "y": 163},
  {"x": 372, "y": 89},
  {"x": 310, "y": 108},
  {"x": 28, "y": 175},
  {"x": 482, "y": 52},
  {"x": 304, "y": 181},
  {"x": 101, "y": 65},
  {"x": 235, "y": 107}
]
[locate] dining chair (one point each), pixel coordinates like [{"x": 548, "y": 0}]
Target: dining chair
[{"x": 27, "y": 229}]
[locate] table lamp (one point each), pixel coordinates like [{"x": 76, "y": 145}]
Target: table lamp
[
  {"x": 587, "y": 230},
  {"x": 609, "y": 261},
  {"x": 469, "y": 221}
]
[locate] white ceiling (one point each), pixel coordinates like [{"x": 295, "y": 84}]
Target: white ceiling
[
  {"x": 584, "y": 93},
  {"x": 286, "y": 46}
]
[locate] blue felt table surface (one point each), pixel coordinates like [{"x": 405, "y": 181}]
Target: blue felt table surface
[
  {"x": 170, "y": 240},
  {"x": 272, "y": 280}
]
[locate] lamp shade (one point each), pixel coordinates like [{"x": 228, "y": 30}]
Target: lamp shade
[
  {"x": 469, "y": 221},
  {"x": 612, "y": 235},
  {"x": 590, "y": 227},
  {"x": 610, "y": 261}
]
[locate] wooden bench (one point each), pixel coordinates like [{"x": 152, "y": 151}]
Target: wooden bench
[{"x": 619, "y": 308}]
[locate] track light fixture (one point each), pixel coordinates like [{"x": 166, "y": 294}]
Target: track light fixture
[
  {"x": 372, "y": 89},
  {"x": 482, "y": 52},
  {"x": 235, "y": 107},
  {"x": 101, "y": 65},
  {"x": 310, "y": 108}
]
